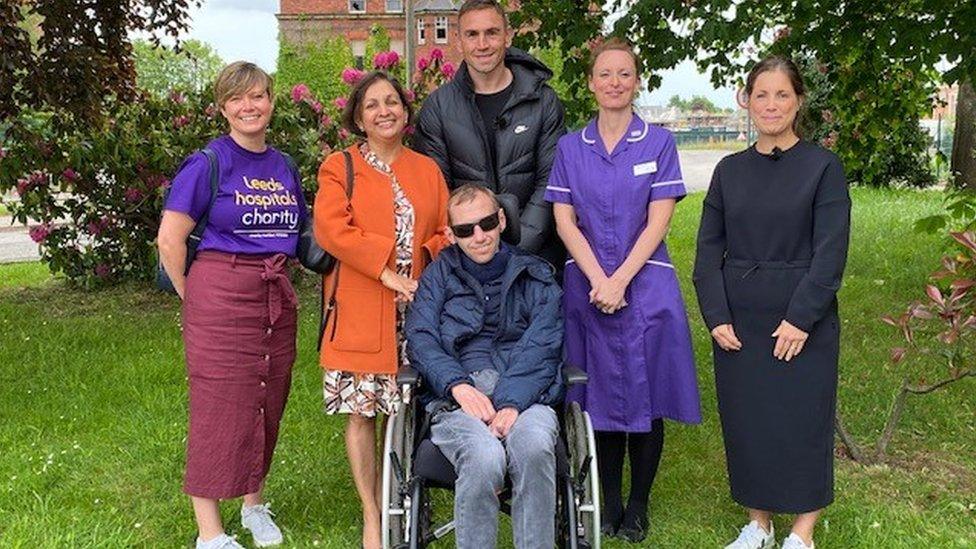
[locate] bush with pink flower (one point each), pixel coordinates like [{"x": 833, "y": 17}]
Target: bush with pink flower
[{"x": 91, "y": 195}]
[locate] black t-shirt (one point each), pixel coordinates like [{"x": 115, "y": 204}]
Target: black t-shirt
[{"x": 490, "y": 105}]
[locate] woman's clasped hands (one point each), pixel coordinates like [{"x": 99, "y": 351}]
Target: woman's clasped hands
[{"x": 607, "y": 294}]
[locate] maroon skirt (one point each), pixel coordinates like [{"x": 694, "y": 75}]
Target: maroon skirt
[{"x": 239, "y": 324}]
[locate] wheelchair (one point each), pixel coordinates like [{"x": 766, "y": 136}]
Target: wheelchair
[{"x": 412, "y": 465}]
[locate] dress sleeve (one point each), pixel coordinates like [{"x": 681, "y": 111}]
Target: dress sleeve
[
  {"x": 817, "y": 289},
  {"x": 558, "y": 190},
  {"x": 334, "y": 229},
  {"x": 667, "y": 181},
  {"x": 710, "y": 256},
  {"x": 189, "y": 192}
]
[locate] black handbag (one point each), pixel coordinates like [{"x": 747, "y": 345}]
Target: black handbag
[
  {"x": 309, "y": 253},
  {"x": 163, "y": 281}
]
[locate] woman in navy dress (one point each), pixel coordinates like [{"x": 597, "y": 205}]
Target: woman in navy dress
[{"x": 771, "y": 252}]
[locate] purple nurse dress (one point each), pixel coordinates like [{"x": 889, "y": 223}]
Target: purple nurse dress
[{"x": 639, "y": 359}]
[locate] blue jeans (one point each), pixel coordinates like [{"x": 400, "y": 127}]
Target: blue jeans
[{"x": 528, "y": 454}]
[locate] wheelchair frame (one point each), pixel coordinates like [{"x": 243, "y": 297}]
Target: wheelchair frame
[{"x": 405, "y": 524}]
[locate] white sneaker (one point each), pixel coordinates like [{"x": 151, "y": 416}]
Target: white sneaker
[
  {"x": 795, "y": 542},
  {"x": 753, "y": 536},
  {"x": 264, "y": 531},
  {"x": 223, "y": 541}
]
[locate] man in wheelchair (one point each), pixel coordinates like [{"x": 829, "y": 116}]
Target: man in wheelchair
[{"x": 485, "y": 332}]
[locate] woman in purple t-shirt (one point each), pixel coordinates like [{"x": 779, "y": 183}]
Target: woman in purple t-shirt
[{"x": 239, "y": 308}]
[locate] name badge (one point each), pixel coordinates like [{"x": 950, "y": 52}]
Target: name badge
[{"x": 645, "y": 168}]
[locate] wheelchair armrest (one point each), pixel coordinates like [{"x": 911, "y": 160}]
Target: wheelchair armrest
[
  {"x": 574, "y": 376},
  {"x": 407, "y": 375}
]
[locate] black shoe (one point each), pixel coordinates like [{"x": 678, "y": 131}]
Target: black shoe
[{"x": 633, "y": 531}]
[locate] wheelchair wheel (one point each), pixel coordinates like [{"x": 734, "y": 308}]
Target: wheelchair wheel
[
  {"x": 397, "y": 471},
  {"x": 581, "y": 446}
]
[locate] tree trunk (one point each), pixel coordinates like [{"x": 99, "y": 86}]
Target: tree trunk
[{"x": 964, "y": 140}]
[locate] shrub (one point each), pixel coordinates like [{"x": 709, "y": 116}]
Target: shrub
[{"x": 92, "y": 194}]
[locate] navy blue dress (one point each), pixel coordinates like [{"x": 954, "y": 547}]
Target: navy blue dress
[{"x": 772, "y": 246}]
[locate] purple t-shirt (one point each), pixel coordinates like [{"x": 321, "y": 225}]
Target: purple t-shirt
[{"x": 259, "y": 208}]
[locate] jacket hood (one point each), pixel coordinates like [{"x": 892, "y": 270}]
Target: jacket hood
[
  {"x": 520, "y": 261},
  {"x": 530, "y": 74}
]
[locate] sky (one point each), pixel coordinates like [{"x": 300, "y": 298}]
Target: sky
[{"x": 248, "y": 29}]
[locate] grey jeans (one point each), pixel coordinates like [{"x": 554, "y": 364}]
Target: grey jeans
[{"x": 528, "y": 453}]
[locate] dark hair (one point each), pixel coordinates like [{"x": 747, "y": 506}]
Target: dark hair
[
  {"x": 614, "y": 43},
  {"x": 354, "y": 104},
  {"x": 474, "y": 5},
  {"x": 785, "y": 65}
]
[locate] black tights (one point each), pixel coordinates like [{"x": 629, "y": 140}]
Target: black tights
[{"x": 645, "y": 455}]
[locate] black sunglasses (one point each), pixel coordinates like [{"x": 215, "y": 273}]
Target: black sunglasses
[{"x": 464, "y": 230}]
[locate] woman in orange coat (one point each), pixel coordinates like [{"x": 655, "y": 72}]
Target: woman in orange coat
[{"x": 383, "y": 236}]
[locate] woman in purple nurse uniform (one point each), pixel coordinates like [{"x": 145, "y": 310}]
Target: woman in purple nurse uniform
[{"x": 614, "y": 185}]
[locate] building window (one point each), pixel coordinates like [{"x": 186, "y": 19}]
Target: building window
[
  {"x": 394, "y": 5},
  {"x": 357, "y": 6},
  {"x": 358, "y": 48},
  {"x": 440, "y": 30},
  {"x": 421, "y": 31}
]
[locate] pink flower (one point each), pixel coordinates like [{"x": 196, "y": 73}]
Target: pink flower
[
  {"x": 437, "y": 53},
  {"x": 96, "y": 228},
  {"x": 782, "y": 33},
  {"x": 210, "y": 111},
  {"x": 3, "y": 153},
  {"x": 325, "y": 121},
  {"x": 351, "y": 76},
  {"x": 411, "y": 96},
  {"x": 299, "y": 92},
  {"x": 827, "y": 115},
  {"x": 39, "y": 233},
  {"x": 180, "y": 121},
  {"x": 423, "y": 63},
  {"x": 70, "y": 175},
  {"x": 408, "y": 129},
  {"x": 343, "y": 134},
  {"x": 23, "y": 186},
  {"x": 102, "y": 270},
  {"x": 315, "y": 105},
  {"x": 37, "y": 178},
  {"x": 177, "y": 97},
  {"x": 133, "y": 194},
  {"x": 386, "y": 59},
  {"x": 340, "y": 103},
  {"x": 448, "y": 70},
  {"x": 822, "y": 68}
]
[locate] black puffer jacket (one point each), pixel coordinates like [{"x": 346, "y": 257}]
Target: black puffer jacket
[{"x": 449, "y": 130}]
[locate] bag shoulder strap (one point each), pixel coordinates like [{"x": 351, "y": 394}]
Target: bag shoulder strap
[
  {"x": 214, "y": 183},
  {"x": 349, "y": 176},
  {"x": 325, "y": 309}
]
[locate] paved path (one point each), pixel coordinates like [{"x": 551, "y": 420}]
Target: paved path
[
  {"x": 697, "y": 167},
  {"x": 16, "y": 246}
]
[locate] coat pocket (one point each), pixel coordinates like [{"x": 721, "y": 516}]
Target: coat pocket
[{"x": 358, "y": 320}]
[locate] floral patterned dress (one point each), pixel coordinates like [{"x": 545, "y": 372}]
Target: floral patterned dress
[{"x": 370, "y": 394}]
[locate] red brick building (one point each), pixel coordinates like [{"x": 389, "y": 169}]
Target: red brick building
[{"x": 302, "y": 21}]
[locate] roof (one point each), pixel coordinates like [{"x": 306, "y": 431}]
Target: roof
[{"x": 437, "y": 5}]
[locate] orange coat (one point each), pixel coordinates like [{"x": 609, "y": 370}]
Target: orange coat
[{"x": 361, "y": 332}]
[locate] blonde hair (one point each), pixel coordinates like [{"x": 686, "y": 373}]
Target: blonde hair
[
  {"x": 237, "y": 79},
  {"x": 613, "y": 43},
  {"x": 469, "y": 192}
]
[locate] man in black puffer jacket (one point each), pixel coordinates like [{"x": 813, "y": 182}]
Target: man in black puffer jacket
[{"x": 497, "y": 123}]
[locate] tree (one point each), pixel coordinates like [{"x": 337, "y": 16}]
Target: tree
[
  {"x": 160, "y": 69},
  {"x": 859, "y": 44},
  {"x": 964, "y": 139},
  {"x": 318, "y": 65},
  {"x": 82, "y": 51}
]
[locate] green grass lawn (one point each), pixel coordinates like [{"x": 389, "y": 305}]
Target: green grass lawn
[{"x": 93, "y": 411}]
